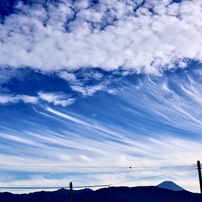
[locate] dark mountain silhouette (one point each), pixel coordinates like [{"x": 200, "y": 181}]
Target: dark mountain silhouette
[
  {"x": 170, "y": 185},
  {"x": 111, "y": 194}
]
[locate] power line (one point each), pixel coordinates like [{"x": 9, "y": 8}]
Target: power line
[
  {"x": 65, "y": 166},
  {"x": 96, "y": 167},
  {"x": 53, "y": 187},
  {"x": 191, "y": 167},
  {"x": 92, "y": 186},
  {"x": 11, "y": 187},
  {"x": 152, "y": 176}
]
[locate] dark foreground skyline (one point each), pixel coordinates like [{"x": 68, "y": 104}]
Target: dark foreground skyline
[{"x": 119, "y": 194}]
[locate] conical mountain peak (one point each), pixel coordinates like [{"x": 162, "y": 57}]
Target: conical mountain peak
[{"x": 170, "y": 185}]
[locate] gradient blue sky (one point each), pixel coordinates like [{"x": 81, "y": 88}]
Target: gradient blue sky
[{"x": 91, "y": 88}]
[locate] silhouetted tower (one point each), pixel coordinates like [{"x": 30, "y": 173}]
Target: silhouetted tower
[
  {"x": 70, "y": 191},
  {"x": 199, "y": 175}
]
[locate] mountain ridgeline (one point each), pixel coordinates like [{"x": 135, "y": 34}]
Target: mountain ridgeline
[{"x": 111, "y": 194}]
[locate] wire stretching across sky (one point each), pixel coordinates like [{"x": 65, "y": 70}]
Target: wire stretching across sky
[
  {"x": 154, "y": 176},
  {"x": 77, "y": 167},
  {"x": 191, "y": 168}
]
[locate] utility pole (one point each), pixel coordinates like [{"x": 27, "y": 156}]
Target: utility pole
[
  {"x": 199, "y": 175},
  {"x": 70, "y": 191}
]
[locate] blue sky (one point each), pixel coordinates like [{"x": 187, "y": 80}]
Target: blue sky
[{"x": 91, "y": 88}]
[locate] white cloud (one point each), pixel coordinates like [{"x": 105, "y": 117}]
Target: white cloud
[
  {"x": 7, "y": 99},
  {"x": 89, "y": 90},
  {"x": 4, "y": 99},
  {"x": 80, "y": 84},
  {"x": 28, "y": 99},
  {"x": 6, "y": 75},
  {"x": 56, "y": 98},
  {"x": 67, "y": 76},
  {"x": 107, "y": 35}
]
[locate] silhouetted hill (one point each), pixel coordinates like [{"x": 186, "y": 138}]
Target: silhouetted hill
[{"x": 111, "y": 194}]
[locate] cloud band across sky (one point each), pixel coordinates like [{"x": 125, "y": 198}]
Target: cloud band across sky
[{"x": 146, "y": 37}]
